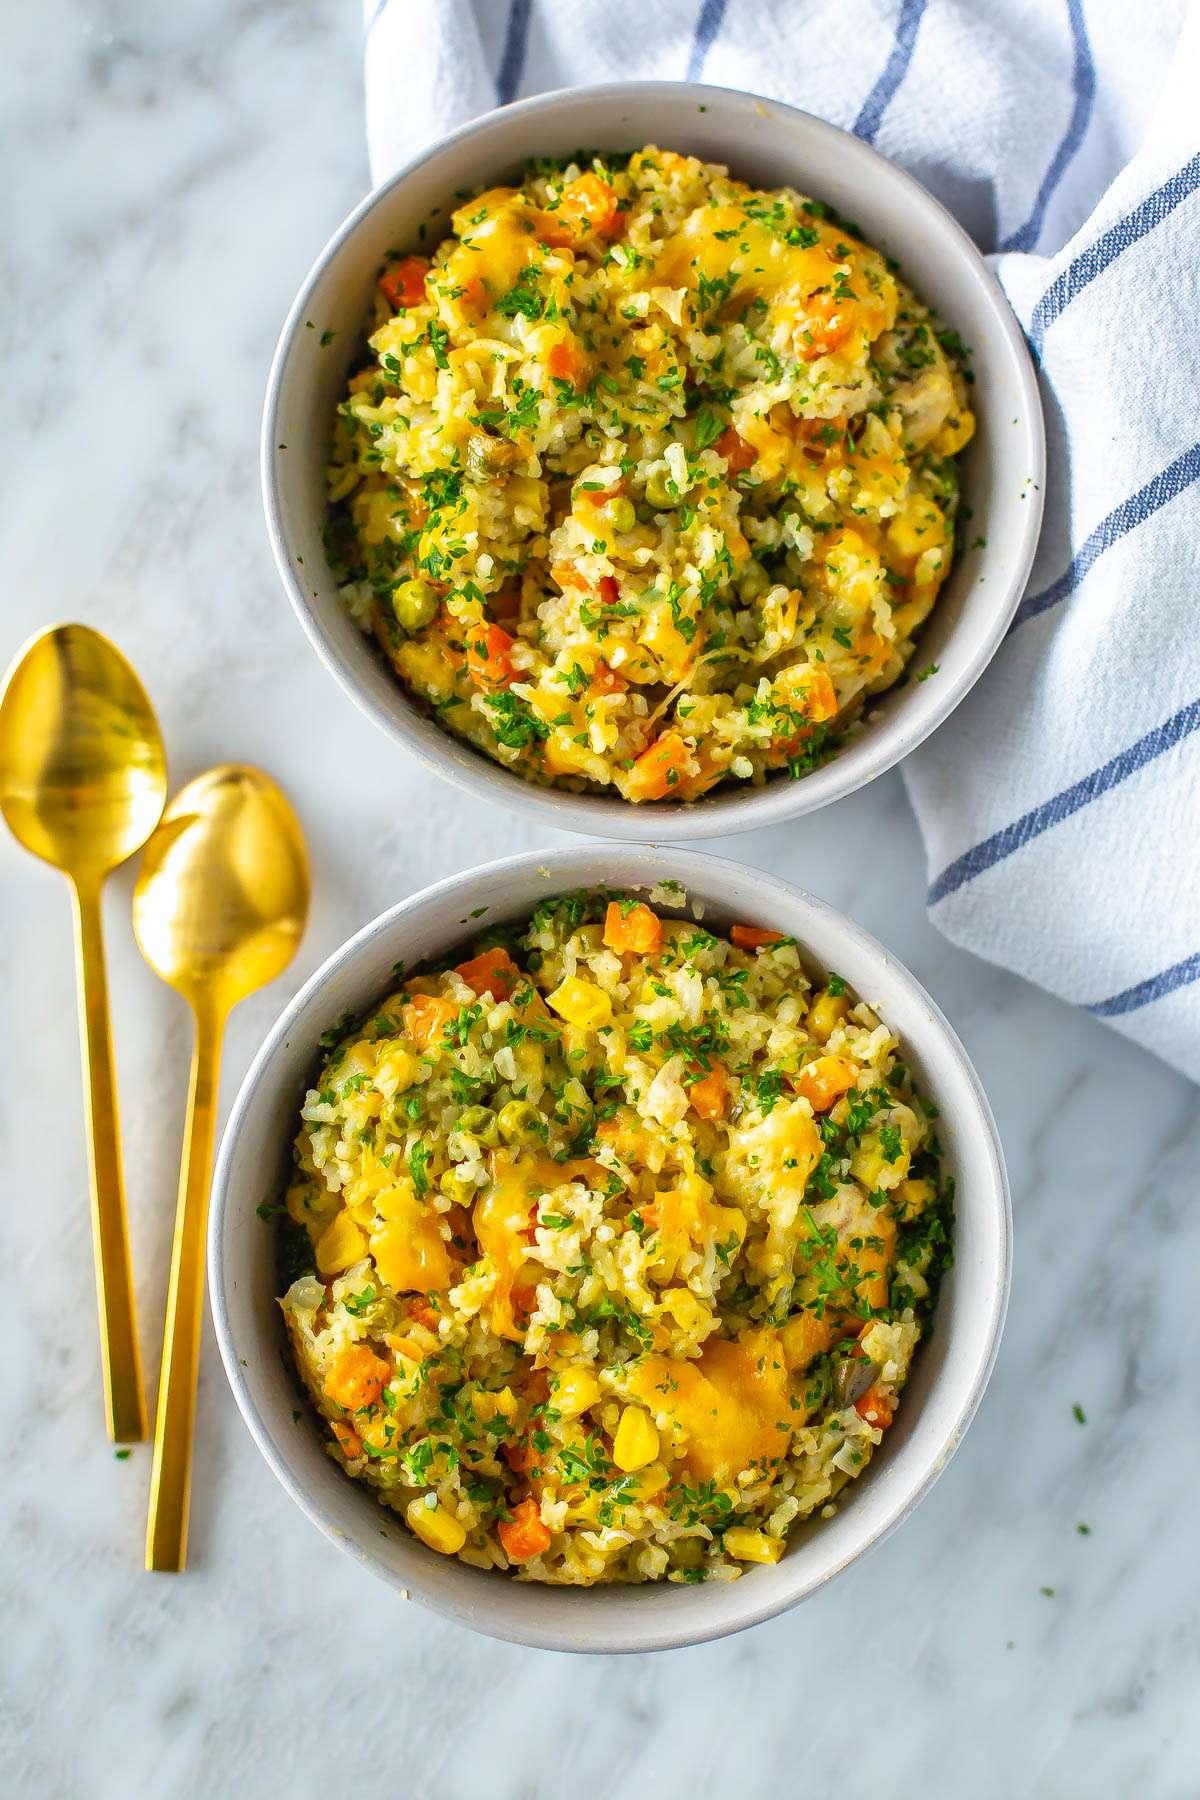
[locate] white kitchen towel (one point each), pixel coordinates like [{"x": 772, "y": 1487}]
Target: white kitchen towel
[{"x": 1060, "y": 805}]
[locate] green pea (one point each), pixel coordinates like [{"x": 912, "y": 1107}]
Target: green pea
[
  {"x": 661, "y": 490},
  {"x": 414, "y": 604},
  {"x": 455, "y": 1188},
  {"x": 687, "y": 1553},
  {"x": 622, "y": 513},
  {"x": 479, "y": 1122},
  {"x": 519, "y": 1122},
  {"x": 488, "y": 457}
]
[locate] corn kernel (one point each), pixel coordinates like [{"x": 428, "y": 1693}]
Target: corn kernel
[
  {"x": 435, "y": 1527},
  {"x": 581, "y": 1003},
  {"x": 397, "y": 1071},
  {"x": 380, "y": 1435},
  {"x": 340, "y": 1245},
  {"x": 826, "y": 1011},
  {"x": 873, "y": 1169},
  {"x": 955, "y": 433},
  {"x": 576, "y": 1390},
  {"x": 303, "y": 1200},
  {"x": 636, "y": 1440},
  {"x": 689, "y": 1312},
  {"x": 506, "y": 1403},
  {"x": 911, "y": 534},
  {"x": 912, "y": 1197},
  {"x": 652, "y": 1480},
  {"x": 752, "y": 1546}
]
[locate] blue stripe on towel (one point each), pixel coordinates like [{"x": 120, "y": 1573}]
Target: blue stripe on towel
[
  {"x": 992, "y": 850},
  {"x": 1098, "y": 256},
  {"x": 1177, "y": 976},
  {"x": 1083, "y": 80},
  {"x": 1167, "y": 485},
  {"x": 867, "y": 124},
  {"x": 712, "y": 15},
  {"x": 372, "y": 22},
  {"x": 516, "y": 42}
]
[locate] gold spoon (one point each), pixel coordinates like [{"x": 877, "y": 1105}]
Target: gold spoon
[
  {"x": 218, "y": 910},
  {"x": 82, "y": 784}
]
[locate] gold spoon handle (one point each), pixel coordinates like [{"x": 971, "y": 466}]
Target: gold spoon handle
[
  {"x": 170, "y": 1480},
  {"x": 124, "y": 1405}
]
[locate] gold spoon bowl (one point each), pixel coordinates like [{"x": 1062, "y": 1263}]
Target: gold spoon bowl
[
  {"x": 219, "y": 909},
  {"x": 83, "y": 778}
]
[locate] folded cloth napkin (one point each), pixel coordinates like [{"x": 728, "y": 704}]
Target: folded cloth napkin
[{"x": 1060, "y": 805}]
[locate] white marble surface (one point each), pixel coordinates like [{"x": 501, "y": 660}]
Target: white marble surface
[{"x": 171, "y": 172}]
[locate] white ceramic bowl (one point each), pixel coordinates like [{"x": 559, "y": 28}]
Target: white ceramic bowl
[
  {"x": 765, "y": 143},
  {"x": 949, "y": 1373}
]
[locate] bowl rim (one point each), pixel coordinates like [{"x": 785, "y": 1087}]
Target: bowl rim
[
  {"x": 691, "y": 867},
  {"x": 741, "y": 808}
]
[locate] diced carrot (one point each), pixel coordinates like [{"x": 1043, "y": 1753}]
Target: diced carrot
[
  {"x": 809, "y": 697},
  {"x": 488, "y": 656},
  {"x": 710, "y": 1095},
  {"x": 822, "y": 696},
  {"x": 474, "y": 295},
  {"x": 424, "y": 1312},
  {"x": 605, "y": 680},
  {"x": 524, "y": 1291},
  {"x": 403, "y": 285},
  {"x": 638, "y": 931},
  {"x": 750, "y": 937},
  {"x": 491, "y": 972},
  {"x": 626, "y": 1133},
  {"x": 569, "y": 575},
  {"x": 587, "y": 210},
  {"x": 564, "y": 363},
  {"x": 535, "y": 1385},
  {"x": 659, "y": 769},
  {"x": 824, "y": 1080},
  {"x": 521, "y": 1458},
  {"x": 875, "y": 1408},
  {"x": 425, "y": 1018},
  {"x": 610, "y": 590},
  {"x": 524, "y": 1535},
  {"x": 818, "y": 431},
  {"x": 824, "y": 327},
  {"x": 872, "y": 649},
  {"x": 357, "y": 1377},
  {"x": 600, "y": 496},
  {"x": 349, "y": 1440},
  {"x": 820, "y": 439},
  {"x": 737, "y": 452}
]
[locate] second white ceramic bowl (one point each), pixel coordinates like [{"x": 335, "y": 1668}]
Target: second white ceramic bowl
[
  {"x": 949, "y": 1373},
  {"x": 770, "y": 145}
]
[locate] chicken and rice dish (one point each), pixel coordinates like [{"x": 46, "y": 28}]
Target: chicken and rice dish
[
  {"x": 607, "y": 1249},
  {"x": 647, "y": 478}
]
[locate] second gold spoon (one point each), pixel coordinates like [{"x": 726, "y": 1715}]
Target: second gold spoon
[{"x": 219, "y": 908}]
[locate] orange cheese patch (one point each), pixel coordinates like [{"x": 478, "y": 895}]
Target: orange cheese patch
[{"x": 732, "y": 1407}]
